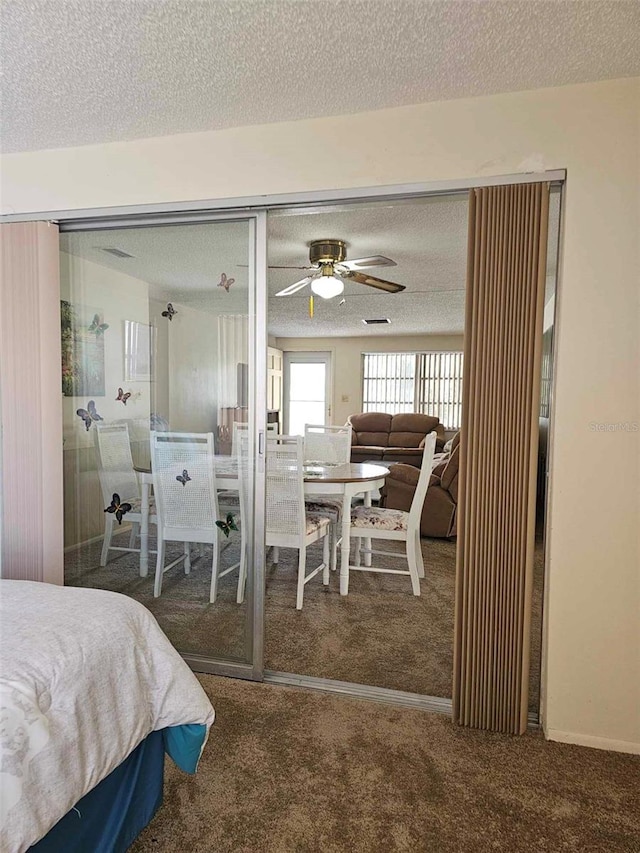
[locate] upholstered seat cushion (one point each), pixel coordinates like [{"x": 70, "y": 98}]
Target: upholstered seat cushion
[
  {"x": 136, "y": 505},
  {"x": 315, "y": 522},
  {"x": 330, "y": 508},
  {"x": 228, "y": 499},
  {"x": 379, "y": 518}
]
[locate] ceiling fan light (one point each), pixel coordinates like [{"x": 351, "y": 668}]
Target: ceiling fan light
[{"x": 327, "y": 286}]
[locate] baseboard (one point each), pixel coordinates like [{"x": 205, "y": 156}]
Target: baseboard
[
  {"x": 594, "y": 742},
  {"x": 126, "y": 528}
]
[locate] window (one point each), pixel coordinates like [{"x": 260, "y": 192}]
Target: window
[
  {"x": 439, "y": 387},
  {"x": 426, "y": 382},
  {"x": 389, "y": 382}
]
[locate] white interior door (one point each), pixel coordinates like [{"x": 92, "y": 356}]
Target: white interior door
[{"x": 307, "y": 390}]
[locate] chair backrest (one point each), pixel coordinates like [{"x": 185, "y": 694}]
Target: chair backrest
[
  {"x": 115, "y": 463},
  {"x": 420, "y": 493},
  {"x": 285, "y": 489},
  {"x": 184, "y": 501},
  {"x": 330, "y": 445}
]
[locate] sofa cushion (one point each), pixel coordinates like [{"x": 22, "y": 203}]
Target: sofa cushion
[
  {"x": 410, "y": 455},
  {"x": 409, "y": 429},
  {"x": 371, "y": 422},
  {"x": 375, "y": 439},
  {"x": 360, "y": 453}
]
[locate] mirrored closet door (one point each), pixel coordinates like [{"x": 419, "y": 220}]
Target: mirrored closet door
[{"x": 160, "y": 353}]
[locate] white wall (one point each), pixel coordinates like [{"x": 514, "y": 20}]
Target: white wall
[
  {"x": 346, "y": 361},
  {"x": 591, "y": 684}
]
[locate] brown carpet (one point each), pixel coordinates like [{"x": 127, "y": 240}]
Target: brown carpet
[
  {"x": 293, "y": 770},
  {"x": 380, "y": 634}
]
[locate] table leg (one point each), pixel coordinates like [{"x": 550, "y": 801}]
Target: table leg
[
  {"x": 344, "y": 550},
  {"x": 367, "y": 539},
  {"x": 144, "y": 530}
]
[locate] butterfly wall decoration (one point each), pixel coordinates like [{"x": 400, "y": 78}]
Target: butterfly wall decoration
[
  {"x": 225, "y": 282},
  {"x": 170, "y": 312},
  {"x": 98, "y": 326},
  {"x": 89, "y": 415},
  {"x": 183, "y": 478},
  {"x": 118, "y": 508},
  {"x": 122, "y": 397},
  {"x": 228, "y": 525}
]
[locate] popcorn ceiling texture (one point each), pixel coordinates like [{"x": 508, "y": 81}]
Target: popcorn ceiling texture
[{"x": 76, "y": 72}]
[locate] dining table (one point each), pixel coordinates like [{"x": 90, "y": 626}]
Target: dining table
[{"x": 344, "y": 481}]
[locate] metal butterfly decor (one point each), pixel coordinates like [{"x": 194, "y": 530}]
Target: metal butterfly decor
[
  {"x": 228, "y": 525},
  {"x": 98, "y": 326},
  {"x": 225, "y": 282},
  {"x": 122, "y": 397},
  {"x": 183, "y": 478},
  {"x": 89, "y": 415},
  {"x": 118, "y": 508},
  {"x": 170, "y": 312}
]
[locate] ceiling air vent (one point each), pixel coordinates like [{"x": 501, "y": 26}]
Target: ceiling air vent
[
  {"x": 383, "y": 321},
  {"x": 117, "y": 253}
]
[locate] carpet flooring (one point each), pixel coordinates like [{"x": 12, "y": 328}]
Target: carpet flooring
[
  {"x": 380, "y": 634},
  {"x": 293, "y": 770}
]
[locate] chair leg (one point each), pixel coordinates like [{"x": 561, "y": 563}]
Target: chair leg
[
  {"x": 215, "y": 568},
  {"x": 157, "y": 586},
  {"x": 356, "y": 561},
  {"x": 275, "y": 555},
  {"x": 412, "y": 560},
  {"x": 187, "y": 558},
  {"x": 302, "y": 567},
  {"x": 135, "y": 530},
  {"x": 326, "y": 552},
  {"x": 334, "y": 546},
  {"x": 242, "y": 573},
  {"x": 419, "y": 558},
  {"x": 106, "y": 540}
]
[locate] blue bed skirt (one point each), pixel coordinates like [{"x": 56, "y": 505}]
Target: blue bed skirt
[{"x": 111, "y": 816}]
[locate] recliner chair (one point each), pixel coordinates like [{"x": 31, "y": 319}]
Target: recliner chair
[{"x": 439, "y": 512}]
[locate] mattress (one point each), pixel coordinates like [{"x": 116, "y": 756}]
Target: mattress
[{"x": 85, "y": 676}]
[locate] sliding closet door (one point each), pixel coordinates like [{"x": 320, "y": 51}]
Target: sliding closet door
[
  {"x": 499, "y": 444},
  {"x": 31, "y": 435},
  {"x": 163, "y": 361}
]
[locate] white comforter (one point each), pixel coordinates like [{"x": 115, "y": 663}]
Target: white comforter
[{"x": 85, "y": 676}]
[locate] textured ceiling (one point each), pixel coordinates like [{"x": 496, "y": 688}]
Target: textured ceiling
[
  {"x": 87, "y": 71},
  {"x": 426, "y": 237}
]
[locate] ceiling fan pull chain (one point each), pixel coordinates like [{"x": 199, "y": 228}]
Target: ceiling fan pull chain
[{"x": 311, "y": 306}]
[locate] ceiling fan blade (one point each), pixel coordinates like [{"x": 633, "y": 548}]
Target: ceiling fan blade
[
  {"x": 295, "y": 287},
  {"x": 273, "y": 267},
  {"x": 372, "y": 261},
  {"x": 372, "y": 281}
]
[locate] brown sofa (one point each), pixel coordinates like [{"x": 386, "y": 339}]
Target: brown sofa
[
  {"x": 439, "y": 511},
  {"x": 392, "y": 438}
]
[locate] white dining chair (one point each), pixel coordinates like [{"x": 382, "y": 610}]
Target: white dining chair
[
  {"x": 288, "y": 525},
  {"x": 118, "y": 477},
  {"x": 396, "y": 525},
  {"x": 328, "y": 445},
  {"x": 184, "y": 484}
]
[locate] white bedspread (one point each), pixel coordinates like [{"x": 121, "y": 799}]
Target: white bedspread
[{"x": 85, "y": 676}]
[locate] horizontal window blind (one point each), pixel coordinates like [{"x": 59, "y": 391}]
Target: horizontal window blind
[
  {"x": 388, "y": 382},
  {"x": 439, "y": 387}
]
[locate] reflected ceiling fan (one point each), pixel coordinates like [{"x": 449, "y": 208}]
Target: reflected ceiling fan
[{"x": 329, "y": 268}]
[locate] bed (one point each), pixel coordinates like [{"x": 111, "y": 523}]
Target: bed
[{"x": 92, "y": 695}]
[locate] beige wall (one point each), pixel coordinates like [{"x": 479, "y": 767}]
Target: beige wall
[
  {"x": 346, "y": 361},
  {"x": 591, "y": 683}
]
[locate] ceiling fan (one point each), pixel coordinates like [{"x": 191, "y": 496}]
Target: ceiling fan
[{"x": 329, "y": 268}]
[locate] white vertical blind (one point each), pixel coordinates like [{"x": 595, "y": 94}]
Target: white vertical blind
[
  {"x": 388, "y": 382},
  {"x": 439, "y": 387},
  {"x": 426, "y": 382}
]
